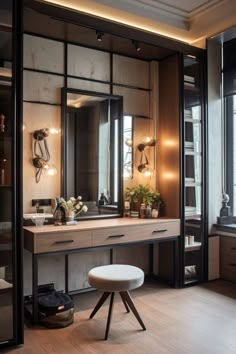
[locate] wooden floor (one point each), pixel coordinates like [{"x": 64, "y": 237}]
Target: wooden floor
[{"x": 200, "y": 319}]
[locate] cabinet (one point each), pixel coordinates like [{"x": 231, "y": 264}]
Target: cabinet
[
  {"x": 193, "y": 177},
  {"x": 228, "y": 258},
  {"x": 11, "y": 314}
]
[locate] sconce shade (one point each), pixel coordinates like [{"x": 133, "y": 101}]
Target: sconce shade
[
  {"x": 41, "y": 153},
  {"x": 144, "y": 166}
]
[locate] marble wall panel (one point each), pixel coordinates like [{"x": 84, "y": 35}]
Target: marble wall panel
[
  {"x": 43, "y": 54},
  {"x": 90, "y": 63},
  {"x": 38, "y": 116},
  {"x": 129, "y": 71},
  {"x": 136, "y": 102},
  {"x": 39, "y": 87},
  {"x": 88, "y": 85}
]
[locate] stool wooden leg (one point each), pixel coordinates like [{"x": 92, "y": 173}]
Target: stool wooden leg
[
  {"x": 109, "y": 315},
  {"x": 129, "y": 301},
  {"x": 100, "y": 303},
  {"x": 124, "y": 302}
]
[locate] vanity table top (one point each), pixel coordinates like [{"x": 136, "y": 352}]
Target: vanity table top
[{"x": 98, "y": 224}]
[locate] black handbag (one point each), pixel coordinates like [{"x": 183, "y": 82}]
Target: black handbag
[{"x": 56, "y": 310}]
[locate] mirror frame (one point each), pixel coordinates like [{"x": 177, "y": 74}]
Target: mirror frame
[{"x": 64, "y": 92}]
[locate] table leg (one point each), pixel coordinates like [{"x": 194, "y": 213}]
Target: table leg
[
  {"x": 176, "y": 263},
  {"x": 66, "y": 273},
  {"x": 35, "y": 316}
]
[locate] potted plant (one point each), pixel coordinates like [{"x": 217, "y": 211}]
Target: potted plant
[
  {"x": 73, "y": 207},
  {"x": 142, "y": 194}
]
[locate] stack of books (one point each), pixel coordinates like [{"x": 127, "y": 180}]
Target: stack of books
[{"x": 189, "y": 81}]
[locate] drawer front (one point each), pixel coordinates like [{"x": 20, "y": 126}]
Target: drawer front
[
  {"x": 228, "y": 267},
  {"x": 116, "y": 235},
  {"x": 62, "y": 241},
  {"x": 228, "y": 245}
]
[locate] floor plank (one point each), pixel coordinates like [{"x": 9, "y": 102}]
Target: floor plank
[{"x": 194, "y": 320}]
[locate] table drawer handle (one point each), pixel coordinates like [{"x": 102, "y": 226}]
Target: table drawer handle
[
  {"x": 64, "y": 241},
  {"x": 114, "y": 236},
  {"x": 232, "y": 264},
  {"x": 156, "y": 231},
  {"x": 233, "y": 248}
]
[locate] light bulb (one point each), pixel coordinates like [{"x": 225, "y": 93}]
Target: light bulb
[
  {"x": 54, "y": 131},
  {"x": 51, "y": 170}
]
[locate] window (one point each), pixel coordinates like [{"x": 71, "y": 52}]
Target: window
[{"x": 230, "y": 153}]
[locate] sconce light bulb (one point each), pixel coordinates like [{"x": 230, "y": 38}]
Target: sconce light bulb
[
  {"x": 147, "y": 173},
  {"x": 24, "y": 126},
  {"x": 129, "y": 142},
  {"x": 52, "y": 170},
  {"x": 54, "y": 131}
]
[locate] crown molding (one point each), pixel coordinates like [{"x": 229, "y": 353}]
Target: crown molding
[{"x": 187, "y": 22}]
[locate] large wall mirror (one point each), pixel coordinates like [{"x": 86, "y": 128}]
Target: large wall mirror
[{"x": 92, "y": 151}]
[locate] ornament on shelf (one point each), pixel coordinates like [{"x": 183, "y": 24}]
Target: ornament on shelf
[{"x": 2, "y": 125}]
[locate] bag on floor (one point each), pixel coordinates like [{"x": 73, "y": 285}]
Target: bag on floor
[{"x": 56, "y": 310}]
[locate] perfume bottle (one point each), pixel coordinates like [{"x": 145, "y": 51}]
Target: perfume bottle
[{"x": 59, "y": 213}]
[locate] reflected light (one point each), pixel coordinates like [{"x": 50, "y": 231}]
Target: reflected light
[
  {"x": 169, "y": 142},
  {"x": 169, "y": 175}
]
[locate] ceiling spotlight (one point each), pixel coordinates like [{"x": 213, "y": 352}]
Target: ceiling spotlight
[
  {"x": 99, "y": 36},
  {"x": 136, "y": 45}
]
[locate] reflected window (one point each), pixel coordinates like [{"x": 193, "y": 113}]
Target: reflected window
[{"x": 128, "y": 147}]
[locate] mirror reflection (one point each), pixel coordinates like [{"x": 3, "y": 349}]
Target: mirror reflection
[{"x": 92, "y": 149}]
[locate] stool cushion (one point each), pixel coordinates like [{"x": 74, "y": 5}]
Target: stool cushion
[{"x": 115, "y": 277}]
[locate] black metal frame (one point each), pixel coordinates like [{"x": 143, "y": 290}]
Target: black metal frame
[
  {"x": 204, "y": 165},
  {"x": 16, "y": 189},
  {"x": 64, "y": 92},
  {"x": 229, "y": 148}
]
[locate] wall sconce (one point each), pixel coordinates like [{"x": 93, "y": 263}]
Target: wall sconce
[
  {"x": 144, "y": 166},
  {"x": 41, "y": 154},
  {"x": 99, "y": 36}
]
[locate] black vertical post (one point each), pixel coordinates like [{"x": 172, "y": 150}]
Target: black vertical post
[{"x": 35, "y": 288}]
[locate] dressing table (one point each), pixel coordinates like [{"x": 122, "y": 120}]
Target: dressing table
[{"x": 97, "y": 234}]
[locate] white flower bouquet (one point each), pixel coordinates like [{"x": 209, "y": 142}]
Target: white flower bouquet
[{"x": 74, "y": 206}]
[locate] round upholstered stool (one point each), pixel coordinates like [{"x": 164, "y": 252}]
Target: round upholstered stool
[{"x": 116, "y": 278}]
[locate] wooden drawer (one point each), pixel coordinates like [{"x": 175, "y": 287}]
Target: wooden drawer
[
  {"x": 116, "y": 235},
  {"x": 228, "y": 245},
  {"x": 228, "y": 267},
  {"x": 53, "y": 242}
]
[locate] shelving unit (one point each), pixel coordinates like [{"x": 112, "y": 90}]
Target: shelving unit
[
  {"x": 11, "y": 304},
  {"x": 193, "y": 171}
]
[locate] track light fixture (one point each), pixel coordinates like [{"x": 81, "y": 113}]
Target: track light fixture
[
  {"x": 136, "y": 45},
  {"x": 99, "y": 36}
]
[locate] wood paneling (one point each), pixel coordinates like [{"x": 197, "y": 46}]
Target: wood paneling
[
  {"x": 228, "y": 258},
  {"x": 135, "y": 233},
  {"x": 213, "y": 257},
  {"x": 183, "y": 321},
  {"x": 169, "y": 136}
]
